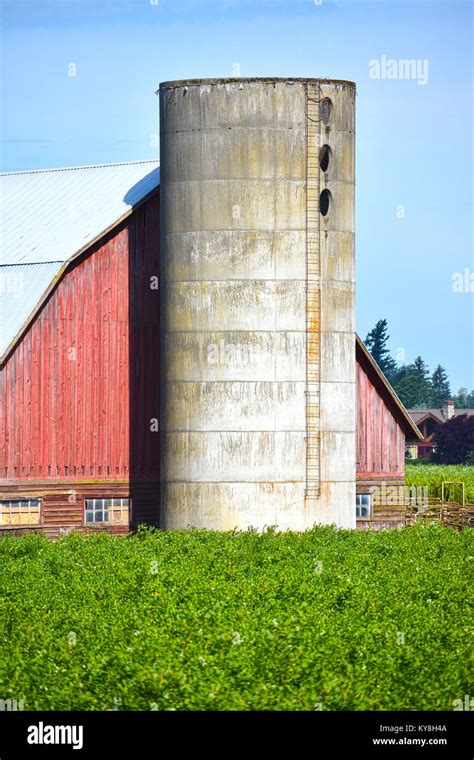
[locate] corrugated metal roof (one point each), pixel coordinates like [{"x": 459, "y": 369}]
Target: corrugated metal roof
[
  {"x": 47, "y": 216},
  {"x": 19, "y": 289}
]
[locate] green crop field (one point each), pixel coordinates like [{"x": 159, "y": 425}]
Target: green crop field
[
  {"x": 196, "y": 620},
  {"x": 432, "y": 475}
]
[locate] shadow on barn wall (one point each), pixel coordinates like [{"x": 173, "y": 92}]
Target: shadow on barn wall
[{"x": 144, "y": 359}]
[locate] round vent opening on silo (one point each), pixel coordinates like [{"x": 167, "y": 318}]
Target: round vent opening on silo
[
  {"x": 324, "y": 202},
  {"x": 324, "y": 157},
  {"x": 326, "y": 110}
]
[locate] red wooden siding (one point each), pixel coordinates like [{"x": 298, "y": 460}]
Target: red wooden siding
[
  {"x": 380, "y": 439},
  {"x": 80, "y": 388}
]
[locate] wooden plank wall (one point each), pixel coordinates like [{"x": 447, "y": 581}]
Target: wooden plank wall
[
  {"x": 81, "y": 387},
  {"x": 67, "y": 389},
  {"x": 380, "y": 439}
]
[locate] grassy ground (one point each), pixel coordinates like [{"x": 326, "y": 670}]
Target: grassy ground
[
  {"x": 432, "y": 475},
  {"x": 332, "y": 620}
]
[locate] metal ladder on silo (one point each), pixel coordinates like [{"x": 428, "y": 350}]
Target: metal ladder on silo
[{"x": 313, "y": 301}]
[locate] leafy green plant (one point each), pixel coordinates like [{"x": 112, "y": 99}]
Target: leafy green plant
[{"x": 196, "y": 620}]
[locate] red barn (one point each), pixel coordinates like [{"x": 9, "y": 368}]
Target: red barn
[
  {"x": 79, "y": 373},
  {"x": 382, "y": 423},
  {"x": 79, "y": 376}
]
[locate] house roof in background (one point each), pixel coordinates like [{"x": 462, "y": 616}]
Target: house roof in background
[
  {"x": 420, "y": 414},
  {"x": 50, "y": 216}
]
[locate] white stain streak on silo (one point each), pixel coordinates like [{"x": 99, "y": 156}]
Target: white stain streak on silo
[{"x": 236, "y": 237}]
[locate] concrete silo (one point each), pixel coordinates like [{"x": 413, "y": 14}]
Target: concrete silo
[{"x": 258, "y": 345}]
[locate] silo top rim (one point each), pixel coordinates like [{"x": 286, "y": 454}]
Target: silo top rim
[{"x": 253, "y": 80}]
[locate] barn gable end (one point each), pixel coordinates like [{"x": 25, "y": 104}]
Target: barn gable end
[{"x": 79, "y": 389}]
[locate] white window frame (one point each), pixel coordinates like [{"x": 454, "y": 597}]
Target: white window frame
[
  {"x": 363, "y": 502},
  {"x": 99, "y": 506}
]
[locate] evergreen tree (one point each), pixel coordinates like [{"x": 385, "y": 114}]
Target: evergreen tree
[
  {"x": 421, "y": 369},
  {"x": 440, "y": 390},
  {"x": 460, "y": 401},
  {"x": 413, "y": 385},
  {"x": 402, "y": 371},
  {"x": 410, "y": 390},
  {"x": 412, "y": 382},
  {"x": 376, "y": 341}
]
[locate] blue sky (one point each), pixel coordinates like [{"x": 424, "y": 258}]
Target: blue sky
[{"x": 414, "y": 140}]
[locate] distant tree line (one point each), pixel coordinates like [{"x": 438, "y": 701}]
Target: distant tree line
[{"x": 412, "y": 382}]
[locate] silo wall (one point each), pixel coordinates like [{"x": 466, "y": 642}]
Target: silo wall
[{"x": 257, "y": 347}]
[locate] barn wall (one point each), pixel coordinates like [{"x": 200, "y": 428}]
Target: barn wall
[
  {"x": 62, "y": 504},
  {"x": 67, "y": 378},
  {"x": 380, "y": 439},
  {"x": 81, "y": 387}
]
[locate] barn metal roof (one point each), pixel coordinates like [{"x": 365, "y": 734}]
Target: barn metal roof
[
  {"x": 49, "y": 216},
  {"x": 20, "y": 288}
]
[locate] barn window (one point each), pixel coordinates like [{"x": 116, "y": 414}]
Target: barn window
[
  {"x": 113, "y": 511},
  {"x": 363, "y": 504},
  {"x": 20, "y": 512}
]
